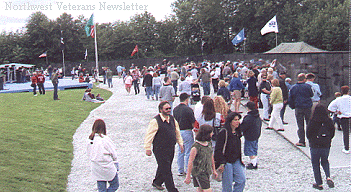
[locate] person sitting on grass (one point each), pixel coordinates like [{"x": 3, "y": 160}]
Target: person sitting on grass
[
  {"x": 81, "y": 78},
  {"x": 88, "y": 96}
]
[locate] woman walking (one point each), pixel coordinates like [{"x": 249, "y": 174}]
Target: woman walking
[
  {"x": 156, "y": 84},
  {"x": 228, "y": 155},
  {"x": 320, "y": 131},
  {"x": 236, "y": 86},
  {"x": 103, "y": 157},
  {"x": 210, "y": 117},
  {"x": 276, "y": 100}
]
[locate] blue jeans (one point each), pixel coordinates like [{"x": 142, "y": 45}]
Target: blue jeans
[
  {"x": 149, "y": 92},
  {"x": 157, "y": 90},
  {"x": 319, "y": 156},
  {"x": 114, "y": 184},
  {"x": 233, "y": 172},
  {"x": 207, "y": 88},
  {"x": 109, "y": 82},
  {"x": 188, "y": 139}
]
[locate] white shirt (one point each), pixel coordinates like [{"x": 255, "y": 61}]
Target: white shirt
[
  {"x": 216, "y": 122},
  {"x": 341, "y": 104},
  {"x": 103, "y": 156},
  {"x": 198, "y": 110}
]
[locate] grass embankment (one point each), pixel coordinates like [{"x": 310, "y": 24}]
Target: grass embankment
[{"x": 36, "y": 138}]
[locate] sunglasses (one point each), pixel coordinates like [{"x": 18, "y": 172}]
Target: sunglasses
[{"x": 168, "y": 108}]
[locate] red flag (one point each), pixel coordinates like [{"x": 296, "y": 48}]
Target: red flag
[
  {"x": 135, "y": 50},
  {"x": 43, "y": 55}
]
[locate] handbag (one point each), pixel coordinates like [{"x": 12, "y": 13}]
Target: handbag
[{"x": 219, "y": 172}]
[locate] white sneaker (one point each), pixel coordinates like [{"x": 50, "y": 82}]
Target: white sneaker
[
  {"x": 346, "y": 151},
  {"x": 35, "y": 95}
]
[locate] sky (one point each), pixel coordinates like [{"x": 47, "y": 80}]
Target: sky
[{"x": 15, "y": 13}]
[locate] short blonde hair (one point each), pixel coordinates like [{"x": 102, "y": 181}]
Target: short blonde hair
[{"x": 222, "y": 83}]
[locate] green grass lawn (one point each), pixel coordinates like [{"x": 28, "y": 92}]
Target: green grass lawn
[{"x": 36, "y": 138}]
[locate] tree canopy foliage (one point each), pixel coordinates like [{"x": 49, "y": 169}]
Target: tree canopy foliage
[{"x": 195, "y": 27}]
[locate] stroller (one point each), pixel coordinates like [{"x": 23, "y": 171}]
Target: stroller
[{"x": 195, "y": 93}]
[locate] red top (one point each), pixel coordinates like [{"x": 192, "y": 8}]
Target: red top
[
  {"x": 34, "y": 79},
  {"x": 41, "y": 78}
]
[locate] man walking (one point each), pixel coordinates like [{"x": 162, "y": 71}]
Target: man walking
[
  {"x": 315, "y": 88},
  {"x": 147, "y": 83},
  {"x": 109, "y": 76},
  {"x": 285, "y": 91},
  {"x": 205, "y": 78},
  {"x": 300, "y": 99},
  {"x": 342, "y": 107},
  {"x": 167, "y": 92},
  {"x": 174, "y": 80},
  {"x": 54, "y": 80},
  {"x": 186, "y": 119},
  {"x": 163, "y": 133}
]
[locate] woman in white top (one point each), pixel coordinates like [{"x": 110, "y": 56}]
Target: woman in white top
[
  {"x": 103, "y": 157},
  {"x": 128, "y": 80},
  {"x": 210, "y": 117},
  {"x": 156, "y": 84}
]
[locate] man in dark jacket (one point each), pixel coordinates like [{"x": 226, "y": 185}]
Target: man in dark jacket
[
  {"x": 300, "y": 99},
  {"x": 251, "y": 129},
  {"x": 285, "y": 91},
  {"x": 147, "y": 83}
]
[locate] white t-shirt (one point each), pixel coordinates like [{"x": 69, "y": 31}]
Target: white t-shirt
[{"x": 128, "y": 80}]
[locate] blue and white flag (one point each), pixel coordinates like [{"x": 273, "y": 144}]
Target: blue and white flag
[
  {"x": 239, "y": 37},
  {"x": 271, "y": 26}
]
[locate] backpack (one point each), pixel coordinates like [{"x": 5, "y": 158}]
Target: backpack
[
  {"x": 217, "y": 126},
  {"x": 323, "y": 137}
]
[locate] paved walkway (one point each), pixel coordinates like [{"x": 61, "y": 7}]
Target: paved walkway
[
  {"x": 336, "y": 157},
  {"x": 281, "y": 167}
]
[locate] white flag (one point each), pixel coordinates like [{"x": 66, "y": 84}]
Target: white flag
[{"x": 271, "y": 26}]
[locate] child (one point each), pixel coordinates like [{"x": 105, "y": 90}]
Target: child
[
  {"x": 128, "y": 82},
  {"x": 224, "y": 91},
  {"x": 336, "y": 120},
  {"x": 103, "y": 157},
  {"x": 201, "y": 161},
  {"x": 251, "y": 128}
]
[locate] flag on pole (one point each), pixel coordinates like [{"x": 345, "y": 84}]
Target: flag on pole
[
  {"x": 62, "y": 44},
  {"x": 86, "y": 54},
  {"x": 271, "y": 26},
  {"x": 135, "y": 50},
  {"x": 42, "y": 55},
  {"x": 239, "y": 37},
  {"x": 90, "y": 27}
]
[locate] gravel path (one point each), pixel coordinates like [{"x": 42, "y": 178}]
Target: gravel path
[{"x": 281, "y": 166}]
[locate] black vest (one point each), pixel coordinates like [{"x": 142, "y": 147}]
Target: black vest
[{"x": 165, "y": 137}]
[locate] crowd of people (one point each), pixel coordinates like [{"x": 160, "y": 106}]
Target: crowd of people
[{"x": 209, "y": 136}]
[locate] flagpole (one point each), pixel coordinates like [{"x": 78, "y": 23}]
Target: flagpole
[
  {"x": 244, "y": 45},
  {"x": 96, "y": 53},
  {"x": 63, "y": 62},
  {"x": 46, "y": 59},
  {"x": 276, "y": 39}
]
